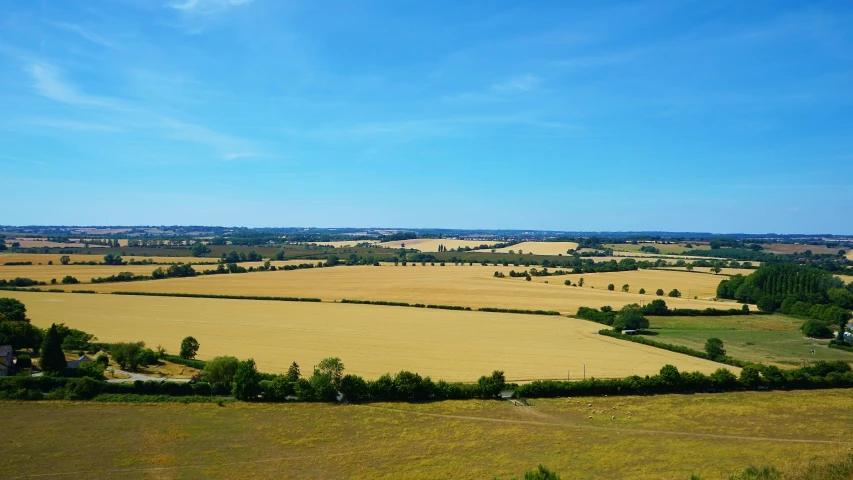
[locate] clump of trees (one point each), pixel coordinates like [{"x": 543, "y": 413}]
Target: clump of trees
[{"x": 796, "y": 290}]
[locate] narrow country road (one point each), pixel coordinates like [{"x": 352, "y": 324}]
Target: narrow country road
[{"x": 137, "y": 376}]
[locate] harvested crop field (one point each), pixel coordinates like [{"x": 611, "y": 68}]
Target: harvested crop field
[
  {"x": 431, "y": 244},
  {"x": 723, "y": 434},
  {"x": 371, "y": 340},
  {"x": 469, "y": 286},
  {"x": 83, "y": 273},
  {"x": 540, "y": 248},
  {"x": 689, "y": 284},
  {"x": 43, "y": 258}
]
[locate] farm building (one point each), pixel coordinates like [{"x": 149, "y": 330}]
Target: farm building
[
  {"x": 6, "y": 365},
  {"x": 630, "y": 332},
  {"x": 76, "y": 363}
]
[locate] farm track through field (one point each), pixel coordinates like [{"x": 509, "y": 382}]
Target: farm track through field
[{"x": 718, "y": 436}]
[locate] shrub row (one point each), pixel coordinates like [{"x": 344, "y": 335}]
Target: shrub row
[
  {"x": 229, "y": 297},
  {"x": 190, "y": 362},
  {"x": 840, "y": 345},
  {"x": 670, "y": 380},
  {"x": 134, "y": 398},
  {"x": 673, "y": 348},
  {"x": 513, "y": 310},
  {"x": 450, "y": 307},
  {"x": 380, "y": 302}
]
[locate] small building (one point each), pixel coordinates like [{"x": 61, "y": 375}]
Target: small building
[
  {"x": 630, "y": 332},
  {"x": 76, "y": 363},
  {"x": 7, "y": 366},
  {"x": 848, "y": 336}
]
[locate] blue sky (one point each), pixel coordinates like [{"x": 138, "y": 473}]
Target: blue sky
[{"x": 660, "y": 115}]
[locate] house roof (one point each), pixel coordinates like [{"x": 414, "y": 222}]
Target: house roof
[{"x": 76, "y": 363}]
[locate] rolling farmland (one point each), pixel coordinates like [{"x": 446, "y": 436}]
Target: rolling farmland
[
  {"x": 540, "y": 248},
  {"x": 431, "y": 244},
  {"x": 473, "y": 286},
  {"x": 371, "y": 340}
]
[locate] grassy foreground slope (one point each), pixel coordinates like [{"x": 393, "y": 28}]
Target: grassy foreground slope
[
  {"x": 371, "y": 340},
  {"x": 665, "y": 437}
]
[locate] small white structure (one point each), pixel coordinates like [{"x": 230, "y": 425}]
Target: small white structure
[
  {"x": 76, "y": 363},
  {"x": 7, "y": 366},
  {"x": 630, "y": 332}
]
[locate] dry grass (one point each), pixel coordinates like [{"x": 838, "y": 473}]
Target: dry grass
[
  {"x": 666, "y": 437},
  {"x": 470, "y": 286},
  {"x": 371, "y": 340},
  {"x": 540, "y": 248},
  {"x": 431, "y": 244}
]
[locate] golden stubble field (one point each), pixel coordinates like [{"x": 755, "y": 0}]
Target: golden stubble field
[
  {"x": 84, "y": 273},
  {"x": 431, "y": 244},
  {"x": 540, "y": 248},
  {"x": 464, "y": 285},
  {"x": 43, "y": 258},
  {"x": 689, "y": 284},
  {"x": 371, "y": 340}
]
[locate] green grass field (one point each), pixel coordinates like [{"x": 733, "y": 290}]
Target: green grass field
[
  {"x": 664, "y": 437},
  {"x": 773, "y": 339}
]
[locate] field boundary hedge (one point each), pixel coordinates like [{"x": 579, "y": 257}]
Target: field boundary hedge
[
  {"x": 225, "y": 297},
  {"x": 673, "y": 348},
  {"x": 189, "y": 362}
]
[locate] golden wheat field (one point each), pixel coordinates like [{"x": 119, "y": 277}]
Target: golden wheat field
[
  {"x": 43, "y": 258},
  {"x": 689, "y": 284},
  {"x": 85, "y": 273},
  {"x": 371, "y": 340},
  {"x": 470, "y": 286},
  {"x": 431, "y": 244},
  {"x": 43, "y": 242},
  {"x": 540, "y": 248}
]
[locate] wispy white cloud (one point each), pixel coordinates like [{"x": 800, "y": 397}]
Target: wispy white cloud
[
  {"x": 207, "y": 7},
  {"x": 239, "y": 155},
  {"x": 519, "y": 84},
  {"x": 48, "y": 83},
  {"x": 87, "y": 34}
]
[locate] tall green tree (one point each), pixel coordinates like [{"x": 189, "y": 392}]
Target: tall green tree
[
  {"x": 714, "y": 348},
  {"x": 292, "y": 374},
  {"x": 52, "y": 359},
  {"x": 189, "y": 347},
  {"x": 333, "y": 367},
  {"x": 12, "y": 310},
  {"x": 247, "y": 381}
]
